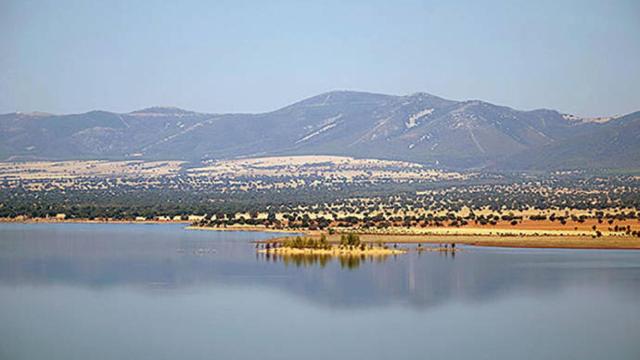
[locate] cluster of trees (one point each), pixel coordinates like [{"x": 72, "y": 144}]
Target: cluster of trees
[
  {"x": 171, "y": 197},
  {"x": 307, "y": 243},
  {"x": 626, "y": 229},
  {"x": 350, "y": 240}
]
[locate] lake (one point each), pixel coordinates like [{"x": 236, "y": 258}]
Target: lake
[{"x": 120, "y": 291}]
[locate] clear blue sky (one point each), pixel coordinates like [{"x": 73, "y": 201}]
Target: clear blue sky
[{"x": 62, "y": 56}]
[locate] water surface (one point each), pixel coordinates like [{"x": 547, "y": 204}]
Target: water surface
[{"x": 88, "y": 291}]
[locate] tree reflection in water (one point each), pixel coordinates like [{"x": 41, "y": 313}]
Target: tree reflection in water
[
  {"x": 143, "y": 256},
  {"x": 306, "y": 260}
]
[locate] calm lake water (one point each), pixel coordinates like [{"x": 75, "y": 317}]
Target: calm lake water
[{"x": 85, "y": 291}]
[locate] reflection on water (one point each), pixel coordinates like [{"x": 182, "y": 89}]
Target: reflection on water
[
  {"x": 71, "y": 291},
  {"x": 346, "y": 261},
  {"x": 146, "y": 255}
]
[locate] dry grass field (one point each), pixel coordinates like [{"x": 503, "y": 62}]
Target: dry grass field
[
  {"x": 251, "y": 174},
  {"x": 91, "y": 168},
  {"x": 322, "y": 166},
  {"x": 524, "y": 228}
]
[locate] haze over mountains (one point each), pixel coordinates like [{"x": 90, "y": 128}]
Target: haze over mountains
[{"x": 420, "y": 127}]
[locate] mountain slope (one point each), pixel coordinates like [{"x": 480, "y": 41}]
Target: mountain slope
[
  {"x": 615, "y": 144},
  {"x": 96, "y": 134},
  {"x": 419, "y": 127}
]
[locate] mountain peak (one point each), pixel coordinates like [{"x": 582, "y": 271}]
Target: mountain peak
[
  {"x": 421, "y": 94},
  {"x": 162, "y": 111},
  {"x": 342, "y": 98}
]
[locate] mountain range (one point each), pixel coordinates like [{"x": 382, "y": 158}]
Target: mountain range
[{"x": 420, "y": 127}]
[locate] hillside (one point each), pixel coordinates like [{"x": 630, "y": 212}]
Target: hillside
[
  {"x": 613, "y": 145},
  {"x": 420, "y": 128}
]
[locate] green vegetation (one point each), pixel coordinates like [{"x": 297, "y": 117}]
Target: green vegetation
[
  {"x": 350, "y": 240},
  {"x": 307, "y": 243},
  {"x": 338, "y": 206}
]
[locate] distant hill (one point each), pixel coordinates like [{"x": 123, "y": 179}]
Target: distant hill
[
  {"x": 613, "y": 145},
  {"x": 420, "y": 127}
]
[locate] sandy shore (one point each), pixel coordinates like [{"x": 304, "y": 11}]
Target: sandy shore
[
  {"x": 334, "y": 251},
  {"x": 88, "y": 221},
  {"x": 247, "y": 228},
  {"x": 565, "y": 242},
  {"x": 548, "y": 236},
  {"x": 559, "y": 242},
  {"x": 466, "y": 236}
]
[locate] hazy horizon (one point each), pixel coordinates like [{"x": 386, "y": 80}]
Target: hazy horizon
[
  {"x": 169, "y": 106},
  {"x": 228, "y": 57}
]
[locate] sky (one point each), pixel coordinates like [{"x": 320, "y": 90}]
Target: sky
[{"x": 580, "y": 57}]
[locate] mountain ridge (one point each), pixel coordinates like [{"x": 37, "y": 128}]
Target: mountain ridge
[
  {"x": 419, "y": 127},
  {"x": 324, "y": 94}
]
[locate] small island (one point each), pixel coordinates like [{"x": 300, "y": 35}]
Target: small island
[{"x": 349, "y": 245}]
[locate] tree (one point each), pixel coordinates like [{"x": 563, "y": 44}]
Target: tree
[
  {"x": 352, "y": 239},
  {"x": 323, "y": 241}
]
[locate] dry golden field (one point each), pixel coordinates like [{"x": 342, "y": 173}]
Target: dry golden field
[{"x": 90, "y": 168}]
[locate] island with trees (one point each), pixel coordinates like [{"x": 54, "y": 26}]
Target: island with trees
[{"x": 349, "y": 245}]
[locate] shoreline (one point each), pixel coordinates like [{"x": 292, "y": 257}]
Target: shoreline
[
  {"x": 606, "y": 242},
  {"x": 334, "y": 251},
  {"x": 524, "y": 242},
  {"x": 87, "y": 221},
  {"x": 248, "y": 229}
]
